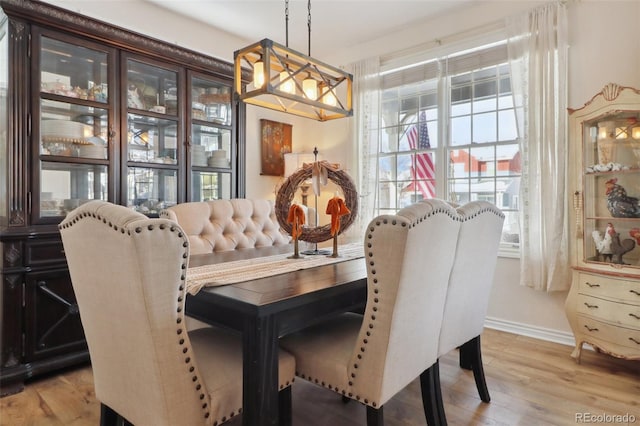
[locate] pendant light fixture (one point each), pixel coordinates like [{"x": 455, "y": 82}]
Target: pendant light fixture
[{"x": 289, "y": 81}]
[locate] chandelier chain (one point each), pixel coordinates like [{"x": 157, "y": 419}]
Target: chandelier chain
[
  {"x": 286, "y": 21},
  {"x": 309, "y": 24}
]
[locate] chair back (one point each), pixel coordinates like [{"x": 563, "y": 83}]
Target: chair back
[
  {"x": 128, "y": 275},
  {"x": 409, "y": 258},
  {"x": 221, "y": 225},
  {"x": 472, "y": 274}
]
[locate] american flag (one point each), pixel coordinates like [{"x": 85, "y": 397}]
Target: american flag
[{"x": 423, "y": 171}]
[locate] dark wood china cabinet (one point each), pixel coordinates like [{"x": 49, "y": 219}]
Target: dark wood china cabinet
[{"x": 92, "y": 111}]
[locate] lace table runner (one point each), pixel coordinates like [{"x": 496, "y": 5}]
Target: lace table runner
[{"x": 262, "y": 267}]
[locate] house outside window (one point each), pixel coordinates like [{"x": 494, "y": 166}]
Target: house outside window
[{"x": 448, "y": 130}]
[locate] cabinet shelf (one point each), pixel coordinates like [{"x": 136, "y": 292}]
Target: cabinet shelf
[
  {"x": 635, "y": 170},
  {"x": 611, "y": 218}
]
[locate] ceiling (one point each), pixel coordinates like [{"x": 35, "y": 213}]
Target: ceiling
[{"x": 334, "y": 23}]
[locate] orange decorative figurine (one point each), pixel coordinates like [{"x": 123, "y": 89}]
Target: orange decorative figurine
[
  {"x": 336, "y": 207},
  {"x": 296, "y": 219}
]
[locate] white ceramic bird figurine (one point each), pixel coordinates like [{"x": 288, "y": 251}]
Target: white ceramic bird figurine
[{"x": 603, "y": 243}]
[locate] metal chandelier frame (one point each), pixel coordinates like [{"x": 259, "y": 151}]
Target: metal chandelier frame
[{"x": 281, "y": 76}]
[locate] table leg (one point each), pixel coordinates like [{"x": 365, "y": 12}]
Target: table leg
[{"x": 260, "y": 372}]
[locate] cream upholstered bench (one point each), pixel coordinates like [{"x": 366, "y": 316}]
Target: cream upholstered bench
[{"x": 223, "y": 225}]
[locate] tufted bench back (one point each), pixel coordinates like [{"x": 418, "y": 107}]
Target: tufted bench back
[{"x": 222, "y": 225}]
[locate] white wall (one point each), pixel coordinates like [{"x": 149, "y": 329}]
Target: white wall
[{"x": 605, "y": 47}]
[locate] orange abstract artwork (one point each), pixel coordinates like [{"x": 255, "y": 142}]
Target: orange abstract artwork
[{"x": 275, "y": 142}]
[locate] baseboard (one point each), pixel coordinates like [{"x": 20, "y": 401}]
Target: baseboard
[{"x": 556, "y": 336}]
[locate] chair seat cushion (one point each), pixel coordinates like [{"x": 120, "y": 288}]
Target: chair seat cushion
[
  {"x": 323, "y": 351},
  {"x": 219, "y": 355}
]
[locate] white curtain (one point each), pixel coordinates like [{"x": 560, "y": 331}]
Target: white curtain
[
  {"x": 538, "y": 57},
  {"x": 364, "y": 134}
]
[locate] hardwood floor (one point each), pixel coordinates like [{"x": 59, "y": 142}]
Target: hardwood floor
[{"x": 531, "y": 382}]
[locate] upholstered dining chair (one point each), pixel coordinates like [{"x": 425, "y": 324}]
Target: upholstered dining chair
[
  {"x": 468, "y": 293},
  {"x": 371, "y": 357},
  {"x": 128, "y": 275}
]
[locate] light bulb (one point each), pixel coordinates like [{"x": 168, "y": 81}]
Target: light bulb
[
  {"x": 258, "y": 74},
  {"x": 310, "y": 87},
  {"x": 635, "y": 132},
  {"x": 329, "y": 98},
  {"x": 288, "y": 86}
]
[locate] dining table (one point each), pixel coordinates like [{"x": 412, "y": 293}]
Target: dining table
[{"x": 264, "y": 308}]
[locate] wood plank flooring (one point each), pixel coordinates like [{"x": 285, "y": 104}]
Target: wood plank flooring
[{"x": 531, "y": 382}]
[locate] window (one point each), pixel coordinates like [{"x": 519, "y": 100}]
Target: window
[{"x": 448, "y": 130}]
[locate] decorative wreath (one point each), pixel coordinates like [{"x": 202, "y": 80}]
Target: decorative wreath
[{"x": 320, "y": 233}]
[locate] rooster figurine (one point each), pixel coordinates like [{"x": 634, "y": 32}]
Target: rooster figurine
[
  {"x": 619, "y": 203},
  {"x": 603, "y": 242},
  {"x": 620, "y": 248}
]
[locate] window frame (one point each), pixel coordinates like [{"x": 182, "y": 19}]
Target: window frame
[{"x": 438, "y": 71}]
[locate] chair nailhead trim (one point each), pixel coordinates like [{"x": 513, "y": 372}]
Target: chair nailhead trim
[
  {"x": 376, "y": 285},
  {"x": 182, "y": 343}
]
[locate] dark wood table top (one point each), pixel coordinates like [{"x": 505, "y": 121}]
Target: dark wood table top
[{"x": 277, "y": 288}]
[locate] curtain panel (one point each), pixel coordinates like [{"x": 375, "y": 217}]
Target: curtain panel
[
  {"x": 364, "y": 132},
  {"x": 537, "y": 46}
]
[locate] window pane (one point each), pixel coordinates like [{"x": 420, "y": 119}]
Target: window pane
[
  {"x": 508, "y": 157},
  {"x": 505, "y": 99},
  {"x": 484, "y": 127},
  {"x": 386, "y": 169},
  {"x": 460, "y": 100},
  {"x": 485, "y": 104},
  {"x": 507, "y": 130},
  {"x": 432, "y": 127},
  {"x": 404, "y": 167},
  {"x": 390, "y": 112},
  {"x": 484, "y": 97},
  {"x": 389, "y": 139},
  {"x": 459, "y": 163},
  {"x": 459, "y": 190},
  {"x": 461, "y": 130},
  {"x": 483, "y": 162}
]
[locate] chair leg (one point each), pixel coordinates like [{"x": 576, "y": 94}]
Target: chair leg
[
  {"x": 471, "y": 353},
  {"x": 108, "y": 417},
  {"x": 375, "y": 416},
  {"x": 432, "y": 396},
  {"x": 285, "y": 407},
  {"x": 465, "y": 360}
]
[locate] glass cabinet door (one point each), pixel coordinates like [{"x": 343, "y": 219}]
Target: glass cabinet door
[
  {"x": 153, "y": 136},
  {"x": 74, "y": 125},
  {"x": 210, "y": 147},
  {"x": 611, "y": 145}
]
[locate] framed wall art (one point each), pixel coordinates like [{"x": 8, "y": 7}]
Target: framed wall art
[{"x": 275, "y": 141}]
